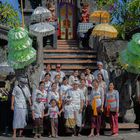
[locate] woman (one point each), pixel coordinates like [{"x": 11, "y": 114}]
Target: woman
[
  {"x": 97, "y": 102},
  {"x": 20, "y": 95},
  {"x": 89, "y": 76},
  {"x": 84, "y": 90},
  {"x": 64, "y": 88},
  {"x": 47, "y": 82},
  {"x": 74, "y": 77},
  {"x": 54, "y": 94},
  {"x": 112, "y": 107},
  {"x": 42, "y": 91},
  {"x": 102, "y": 83}
]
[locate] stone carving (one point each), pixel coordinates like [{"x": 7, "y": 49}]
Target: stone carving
[
  {"x": 52, "y": 8},
  {"x": 85, "y": 13},
  {"x": 128, "y": 84}
]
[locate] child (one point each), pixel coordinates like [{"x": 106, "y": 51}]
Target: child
[
  {"x": 112, "y": 107},
  {"x": 69, "y": 115},
  {"x": 53, "y": 113},
  {"x": 38, "y": 114}
]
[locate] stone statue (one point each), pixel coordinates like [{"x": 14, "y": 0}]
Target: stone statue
[
  {"x": 126, "y": 83},
  {"x": 85, "y": 13},
  {"x": 52, "y": 8}
]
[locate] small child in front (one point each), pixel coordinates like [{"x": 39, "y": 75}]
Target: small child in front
[
  {"x": 53, "y": 113},
  {"x": 37, "y": 115}
]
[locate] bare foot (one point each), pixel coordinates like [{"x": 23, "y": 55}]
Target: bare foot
[
  {"x": 79, "y": 135},
  {"x": 35, "y": 137},
  {"x": 14, "y": 136},
  {"x": 98, "y": 134},
  {"x": 91, "y": 135}
]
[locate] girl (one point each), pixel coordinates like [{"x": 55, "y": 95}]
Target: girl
[
  {"x": 112, "y": 107},
  {"x": 38, "y": 114},
  {"x": 97, "y": 102},
  {"x": 53, "y": 113}
]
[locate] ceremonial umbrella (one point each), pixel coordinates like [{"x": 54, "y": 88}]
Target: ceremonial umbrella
[
  {"x": 100, "y": 17},
  {"x": 20, "y": 51},
  {"x": 105, "y": 30},
  {"x": 40, "y": 13},
  {"x": 40, "y": 30}
]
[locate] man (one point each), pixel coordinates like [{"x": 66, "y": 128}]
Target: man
[
  {"x": 20, "y": 95},
  {"x": 58, "y": 71},
  {"x": 78, "y": 101},
  {"x": 102, "y": 71}
]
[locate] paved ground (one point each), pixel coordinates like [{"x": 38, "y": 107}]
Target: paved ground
[{"x": 125, "y": 135}]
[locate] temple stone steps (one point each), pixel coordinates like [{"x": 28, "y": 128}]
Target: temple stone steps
[{"x": 70, "y": 56}]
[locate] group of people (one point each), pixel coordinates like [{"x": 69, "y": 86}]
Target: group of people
[{"x": 78, "y": 100}]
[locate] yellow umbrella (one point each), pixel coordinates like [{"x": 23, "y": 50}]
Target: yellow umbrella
[
  {"x": 100, "y": 16},
  {"x": 105, "y": 30}
]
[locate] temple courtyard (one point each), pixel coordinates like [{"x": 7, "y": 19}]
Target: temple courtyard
[{"x": 123, "y": 135}]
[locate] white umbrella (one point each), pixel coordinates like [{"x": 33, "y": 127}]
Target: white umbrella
[
  {"x": 40, "y": 13},
  {"x": 40, "y": 30}
]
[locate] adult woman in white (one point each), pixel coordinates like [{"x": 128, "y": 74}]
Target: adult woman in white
[
  {"x": 74, "y": 77},
  {"x": 42, "y": 91},
  {"x": 20, "y": 95},
  {"x": 47, "y": 69},
  {"x": 102, "y": 83},
  {"x": 64, "y": 88},
  {"x": 54, "y": 94},
  {"x": 89, "y": 77},
  {"x": 47, "y": 82}
]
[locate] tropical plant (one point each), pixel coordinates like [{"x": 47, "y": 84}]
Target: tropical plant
[
  {"x": 125, "y": 14},
  {"x": 8, "y": 16}
]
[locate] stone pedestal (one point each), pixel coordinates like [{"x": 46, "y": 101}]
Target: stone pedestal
[{"x": 129, "y": 116}]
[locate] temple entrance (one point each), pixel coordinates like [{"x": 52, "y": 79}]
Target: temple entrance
[{"x": 67, "y": 19}]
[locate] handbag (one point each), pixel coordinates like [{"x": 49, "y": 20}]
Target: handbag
[{"x": 29, "y": 111}]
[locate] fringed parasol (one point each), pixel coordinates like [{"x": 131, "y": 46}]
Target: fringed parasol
[
  {"x": 42, "y": 29},
  {"x": 100, "y": 17},
  {"x": 40, "y": 14},
  {"x": 105, "y": 30}
]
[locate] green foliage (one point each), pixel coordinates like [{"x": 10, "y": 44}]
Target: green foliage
[
  {"x": 105, "y": 3},
  {"x": 8, "y": 16},
  {"x": 128, "y": 11}
]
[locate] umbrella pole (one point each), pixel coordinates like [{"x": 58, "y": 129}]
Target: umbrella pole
[
  {"x": 22, "y": 13},
  {"x": 40, "y": 51}
]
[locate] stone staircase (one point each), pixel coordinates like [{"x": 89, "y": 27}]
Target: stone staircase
[{"x": 70, "y": 56}]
